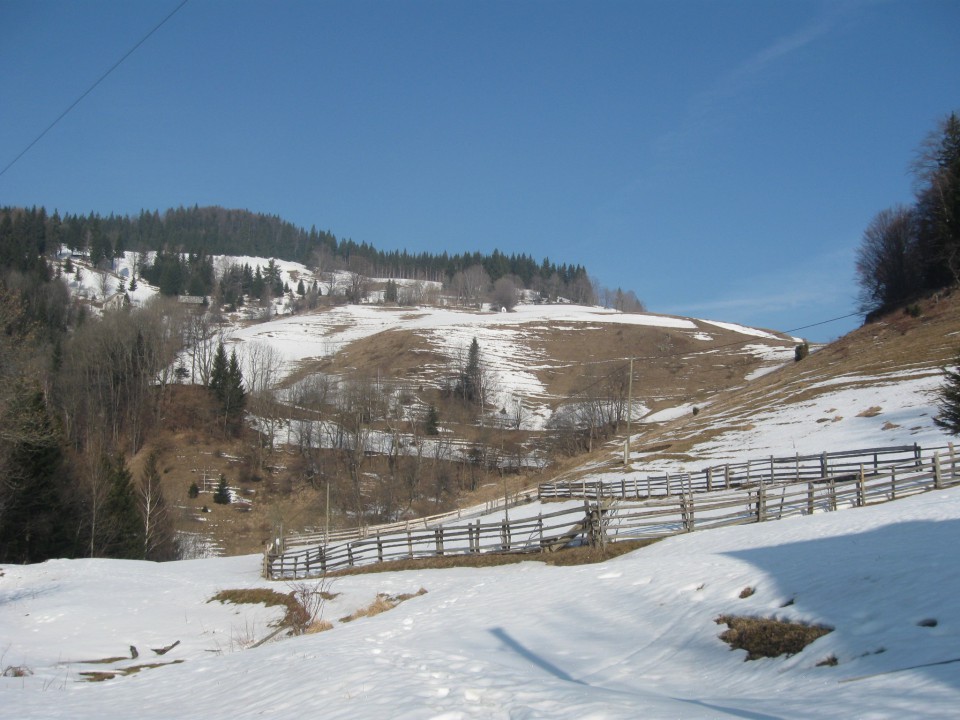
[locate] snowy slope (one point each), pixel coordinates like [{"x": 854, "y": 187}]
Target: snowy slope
[{"x": 632, "y": 637}]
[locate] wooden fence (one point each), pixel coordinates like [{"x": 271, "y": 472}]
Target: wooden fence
[
  {"x": 609, "y": 519},
  {"x": 544, "y": 531},
  {"x": 770, "y": 470},
  {"x": 317, "y": 537}
]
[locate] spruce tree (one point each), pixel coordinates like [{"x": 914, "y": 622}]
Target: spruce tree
[
  {"x": 222, "y": 495},
  {"x": 431, "y": 426},
  {"x": 470, "y": 383},
  {"x": 38, "y": 521},
  {"x": 121, "y": 527},
  {"x": 949, "y": 399}
]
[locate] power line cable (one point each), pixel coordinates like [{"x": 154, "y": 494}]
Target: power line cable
[{"x": 92, "y": 87}]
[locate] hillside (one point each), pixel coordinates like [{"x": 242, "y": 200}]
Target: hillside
[
  {"x": 556, "y": 380},
  {"x": 636, "y": 635}
]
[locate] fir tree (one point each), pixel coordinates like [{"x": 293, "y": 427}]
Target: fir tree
[
  {"x": 222, "y": 495},
  {"x": 431, "y": 425},
  {"x": 121, "y": 527},
  {"x": 470, "y": 383},
  {"x": 37, "y": 519},
  {"x": 949, "y": 399},
  {"x": 226, "y": 382}
]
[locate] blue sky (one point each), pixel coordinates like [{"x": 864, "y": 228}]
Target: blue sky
[{"x": 721, "y": 159}]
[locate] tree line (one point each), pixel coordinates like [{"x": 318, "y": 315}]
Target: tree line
[
  {"x": 203, "y": 232},
  {"x": 908, "y": 251}
]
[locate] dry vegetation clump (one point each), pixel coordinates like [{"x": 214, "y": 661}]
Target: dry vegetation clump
[
  {"x": 766, "y": 637},
  {"x": 381, "y": 604},
  {"x": 304, "y": 604},
  {"x": 17, "y": 671}
]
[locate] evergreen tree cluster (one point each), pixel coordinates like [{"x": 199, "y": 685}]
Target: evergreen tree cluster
[
  {"x": 185, "y": 238},
  {"x": 908, "y": 251},
  {"x": 226, "y": 383}
]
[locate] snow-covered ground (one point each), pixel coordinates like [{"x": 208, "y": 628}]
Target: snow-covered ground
[{"x": 628, "y": 638}]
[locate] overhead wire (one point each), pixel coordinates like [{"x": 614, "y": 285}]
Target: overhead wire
[{"x": 90, "y": 89}]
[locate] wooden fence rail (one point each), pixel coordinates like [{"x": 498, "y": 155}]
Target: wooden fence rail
[
  {"x": 770, "y": 470},
  {"x": 612, "y": 519}
]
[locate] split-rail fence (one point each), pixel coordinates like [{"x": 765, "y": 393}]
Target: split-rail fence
[{"x": 645, "y": 508}]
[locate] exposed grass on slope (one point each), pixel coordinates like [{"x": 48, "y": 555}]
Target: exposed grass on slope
[
  {"x": 569, "y": 556},
  {"x": 765, "y": 637}
]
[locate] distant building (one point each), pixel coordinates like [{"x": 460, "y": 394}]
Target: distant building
[
  {"x": 117, "y": 301},
  {"x": 192, "y": 299}
]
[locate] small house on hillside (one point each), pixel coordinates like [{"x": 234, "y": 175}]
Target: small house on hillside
[{"x": 117, "y": 301}]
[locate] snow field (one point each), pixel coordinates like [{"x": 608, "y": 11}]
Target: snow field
[{"x": 630, "y": 637}]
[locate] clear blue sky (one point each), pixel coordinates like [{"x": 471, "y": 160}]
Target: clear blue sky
[{"x": 721, "y": 159}]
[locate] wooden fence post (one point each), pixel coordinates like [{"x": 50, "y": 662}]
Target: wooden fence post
[
  {"x": 761, "y": 502},
  {"x": 409, "y": 544},
  {"x": 893, "y": 483},
  {"x": 350, "y": 553},
  {"x": 833, "y": 494},
  {"x": 824, "y": 466},
  {"x": 810, "y": 505},
  {"x": 709, "y": 479},
  {"x": 861, "y": 493},
  {"x": 726, "y": 476},
  {"x": 668, "y": 484},
  {"x": 937, "y": 477},
  {"x": 505, "y": 536},
  {"x": 438, "y": 535},
  {"x": 540, "y": 528},
  {"x": 953, "y": 463},
  {"x": 379, "y": 548}
]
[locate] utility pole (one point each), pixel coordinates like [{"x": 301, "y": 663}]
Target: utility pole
[{"x": 626, "y": 444}]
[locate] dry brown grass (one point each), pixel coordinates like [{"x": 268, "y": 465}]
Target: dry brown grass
[
  {"x": 101, "y": 675},
  {"x": 566, "y": 557},
  {"x": 765, "y": 637},
  {"x": 890, "y": 344},
  {"x": 302, "y": 613},
  {"x": 381, "y": 604}
]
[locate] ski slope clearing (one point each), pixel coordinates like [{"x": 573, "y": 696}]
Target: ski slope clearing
[{"x": 631, "y": 637}]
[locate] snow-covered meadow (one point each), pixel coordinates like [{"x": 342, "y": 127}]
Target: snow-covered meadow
[{"x": 627, "y": 638}]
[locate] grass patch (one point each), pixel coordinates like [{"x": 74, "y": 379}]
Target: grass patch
[
  {"x": 381, "y": 604},
  {"x": 764, "y": 637},
  {"x": 568, "y": 556},
  {"x": 870, "y": 412},
  {"x": 302, "y": 604},
  {"x": 101, "y": 675},
  {"x": 746, "y": 592}
]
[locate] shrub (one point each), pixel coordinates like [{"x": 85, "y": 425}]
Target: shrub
[{"x": 801, "y": 351}]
